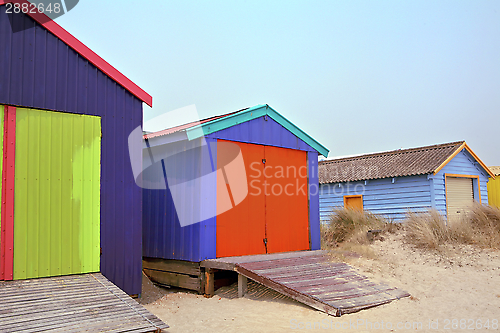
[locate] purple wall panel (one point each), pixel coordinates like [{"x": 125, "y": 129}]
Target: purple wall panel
[
  {"x": 264, "y": 132},
  {"x": 314, "y": 232},
  {"x": 37, "y": 70}
]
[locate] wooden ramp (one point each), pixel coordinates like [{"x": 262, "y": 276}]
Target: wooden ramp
[
  {"x": 310, "y": 278},
  {"x": 72, "y": 303}
]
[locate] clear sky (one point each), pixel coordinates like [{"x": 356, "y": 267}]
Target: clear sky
[{"x": 358, "y": 76}]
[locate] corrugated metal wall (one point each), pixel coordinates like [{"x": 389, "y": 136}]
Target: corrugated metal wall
[
  {"x": 163, "y": 237},
  {"x": 380, "y": 196},
  {"x": 37, "y": 70},
  {"x": 494, "y": 192},
  {"x": 57, "y": 199}
]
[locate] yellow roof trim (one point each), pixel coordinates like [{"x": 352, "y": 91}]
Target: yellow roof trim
[
  {"x": 459, "y": 149},
  {"x": 480, "y": 162}
]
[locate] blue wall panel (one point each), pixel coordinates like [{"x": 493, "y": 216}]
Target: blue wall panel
[
  {"x": 163, "y": 235},
  {"x": 462, "y": 164},
  {"x": 380, "y": 196},
  {"x": 37, "y": 70}
]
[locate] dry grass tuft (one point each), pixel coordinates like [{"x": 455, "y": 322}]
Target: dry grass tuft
[
  {"x": 347, "y": 225},
  {"x": 426, "y": 230},
  {"x": 484, "y": 221},
  {"x": 480, "y": 227},
  {"x": 345, "y": 234}
]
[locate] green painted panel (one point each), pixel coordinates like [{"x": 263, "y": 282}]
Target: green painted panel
[{"x": 57, "y": 194}]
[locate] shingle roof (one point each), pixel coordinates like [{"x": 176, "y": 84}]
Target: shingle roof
[
  {"x": 395, "y": 163},
  {"x": 495, "y": 170}
]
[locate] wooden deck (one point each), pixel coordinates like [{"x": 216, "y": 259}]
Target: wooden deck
[
  {"x": 310, "y": 278},
  {"x": 72, "y": 303}
]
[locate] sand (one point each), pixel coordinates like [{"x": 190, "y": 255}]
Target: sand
[{"x": 456, "y": 289}]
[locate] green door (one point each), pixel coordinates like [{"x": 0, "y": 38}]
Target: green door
[{"x": 57, "y": 194}]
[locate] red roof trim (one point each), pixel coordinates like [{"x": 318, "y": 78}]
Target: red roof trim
[{"x": 87, "y": 53}]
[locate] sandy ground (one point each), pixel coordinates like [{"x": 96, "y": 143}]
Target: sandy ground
[{"x": 455, "y": 290}]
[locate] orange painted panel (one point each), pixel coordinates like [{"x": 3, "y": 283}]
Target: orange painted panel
[
  {"x": 354, "y": 202},
  {"x": 240, "y": 229},
  {"x": 287, "y": 216}
]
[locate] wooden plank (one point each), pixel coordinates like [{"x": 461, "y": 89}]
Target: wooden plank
[
  {"x": 91, "y": 303},
  {"x": 334, "y": 289},
  {"x": 174, "y": 279},
  {"x": 290, "y": 262},
  {"x": 216, "y": 264},
  {"x": 174, "y": 266},
  {"x": 315, "y": 280},
  {"x": 302, "y": 298},
  {"x": 272, "y": 256}
]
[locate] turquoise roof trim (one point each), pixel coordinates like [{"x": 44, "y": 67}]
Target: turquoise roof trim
[{"x": 250, "y": 114}]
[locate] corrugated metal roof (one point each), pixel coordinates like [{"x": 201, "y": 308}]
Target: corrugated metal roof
[
  {"x": 395, "y": 163},
  {"x": 207, "y": 126},
  {"x": 495, "y": 170},
  {"x": 188, "y": 125}
]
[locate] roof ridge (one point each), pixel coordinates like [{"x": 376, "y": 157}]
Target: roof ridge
[{"x": 390, "y": 152}]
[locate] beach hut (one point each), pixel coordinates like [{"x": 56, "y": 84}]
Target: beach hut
[
  {"x": 70, "y": 204},
  {"x": 447, "y": 177},
  {"x": 243, "y": 183},
  {"x": 494, "y": 187}
]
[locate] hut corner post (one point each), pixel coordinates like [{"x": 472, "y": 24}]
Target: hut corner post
[
  {"x": 242, "y": 285},
  {"x": 209, "y": 282}
]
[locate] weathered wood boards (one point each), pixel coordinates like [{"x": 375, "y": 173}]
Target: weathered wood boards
[
  {"x": 176, "y": 273},
  {"x": 71, "y": 304},
  {"x": 310, "y": 278}
]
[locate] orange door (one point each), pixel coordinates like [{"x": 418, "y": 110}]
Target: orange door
[
  {"x": 273, "y": 217},
  {"x": 241, "y": 229},
  {"x": 287, "y": 216},
  {"x": 354, "y": 202}
]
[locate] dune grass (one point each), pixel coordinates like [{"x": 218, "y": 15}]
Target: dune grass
[
  {"x": 481, "y": 227},
  {"x": 345, "y": 234}
]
